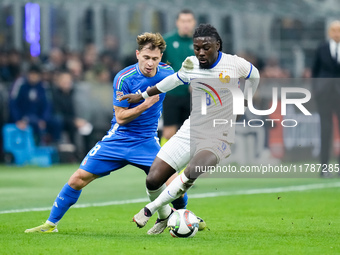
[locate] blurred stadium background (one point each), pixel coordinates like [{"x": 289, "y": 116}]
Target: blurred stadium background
[{"x": 94, "y": 40}]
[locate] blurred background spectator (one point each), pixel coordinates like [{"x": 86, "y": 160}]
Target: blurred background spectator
[
  {"x": 327, "y": 89},
  {"x": 101, "y": 97},
  {"x": 65, "y": 113},
  {"x": 56, "y": 60},
  {"x": 3, "y": 115},
  {"x": 29, "y": 105},
  {"x": 179, "y": 46}
]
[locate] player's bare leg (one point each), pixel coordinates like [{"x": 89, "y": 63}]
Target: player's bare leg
[
  {"x": 185, "y": 180},
  {"x": 171, "y": 179},
  {"x": 168, "y": 132},
  {"x": 159, "y": 171},
  {"x": 159, "y": 174},
  {"x": 80, "y": 178},
  {"x": 65, "y": 199},
  {"x": 178, "y": 186},
  {"x": 161, "y": 224}
]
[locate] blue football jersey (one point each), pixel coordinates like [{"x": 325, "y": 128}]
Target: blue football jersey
[{"x": 130, "y": 81}]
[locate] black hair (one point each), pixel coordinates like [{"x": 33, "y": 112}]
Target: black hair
[
  {"x": 207, "y": 30},
  {"x": 185, "y": 11},
  {"x": 34, "y": 69}
]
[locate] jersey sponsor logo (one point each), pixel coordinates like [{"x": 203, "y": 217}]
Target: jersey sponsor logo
[{"x": 119, "y": 94}]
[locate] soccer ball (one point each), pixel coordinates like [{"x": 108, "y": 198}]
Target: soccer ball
[{"x": 183, "y": 223}]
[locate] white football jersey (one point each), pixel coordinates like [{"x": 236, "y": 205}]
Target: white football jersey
[{"x": 211, "y": 96}]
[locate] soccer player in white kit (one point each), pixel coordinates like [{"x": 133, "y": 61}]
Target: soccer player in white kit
[{"x": 208, "y": 62}]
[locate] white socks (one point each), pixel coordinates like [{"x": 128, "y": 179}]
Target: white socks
[
  {"x": 164, "y": 211},
  {"x": 51, "y": 223},
  {"x": 175, "y": 189}
]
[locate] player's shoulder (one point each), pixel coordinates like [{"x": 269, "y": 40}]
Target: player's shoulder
[
  {"x": 127, "y": 70},
  {"x": 124, "y": 75},
  {"x": 164, "y": 70},
  {"x": 228, "y": 58},
  {"x": 165, "y": 67}
]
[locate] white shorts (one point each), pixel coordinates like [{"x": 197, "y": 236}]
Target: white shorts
[
  {"x": 176, "y": 152},
  {"x": 220, "y": 148}
]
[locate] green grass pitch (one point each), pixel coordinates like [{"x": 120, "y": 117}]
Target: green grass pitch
[{"x": 268, "y": 222}]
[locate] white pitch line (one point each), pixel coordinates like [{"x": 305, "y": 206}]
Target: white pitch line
[{"x": 202, "y": 195}]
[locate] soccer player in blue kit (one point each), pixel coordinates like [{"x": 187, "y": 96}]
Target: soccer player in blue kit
[{"x": 132, "y": 138}]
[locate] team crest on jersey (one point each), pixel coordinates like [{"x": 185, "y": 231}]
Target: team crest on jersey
[
  {"x": 84, "y": 161},
  {"x": 224, "y": 78},
  {"x": 119, "y": 94}
]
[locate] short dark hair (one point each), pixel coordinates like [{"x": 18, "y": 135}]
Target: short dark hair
[
  {"x": 185, "y": 11},
  {"x": 34, "y": 69},
  {"x": 207, "y": 30}
]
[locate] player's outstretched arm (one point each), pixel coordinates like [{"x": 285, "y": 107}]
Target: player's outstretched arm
[
  {"x": 165, "y": 85},
  {"x": 124, "y": 115},
  {"x": 135, "y": 98}
]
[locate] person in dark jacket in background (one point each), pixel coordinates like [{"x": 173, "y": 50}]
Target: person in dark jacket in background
[
  {"x": 63, "y": 106},
  {"x": 327, "y": 89},
  {"x": 176, "y": 106},
  {"x": 29, "y": 106},
  {"x": 63, "y": 94}
]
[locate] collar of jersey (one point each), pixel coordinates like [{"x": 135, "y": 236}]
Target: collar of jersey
[
  {"x": 139, "y": 71},
  {"x": 217, "y": 61}
]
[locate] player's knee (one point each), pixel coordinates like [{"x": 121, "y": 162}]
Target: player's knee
[
  {"x": 75, "y": 182},
  {"x": 152, "y": 183},
  {"x": 204, "y": 158},
  {"x": 80, "y": 179}
]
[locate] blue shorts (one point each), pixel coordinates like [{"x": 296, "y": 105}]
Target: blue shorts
[{"x": 118, "y": 151}]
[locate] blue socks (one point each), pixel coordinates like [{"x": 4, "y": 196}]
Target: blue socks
[
  {"x": 180, "y": 203},
  {"x": 65, "y": 199},
  {"x": 69, "y": 196}
]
